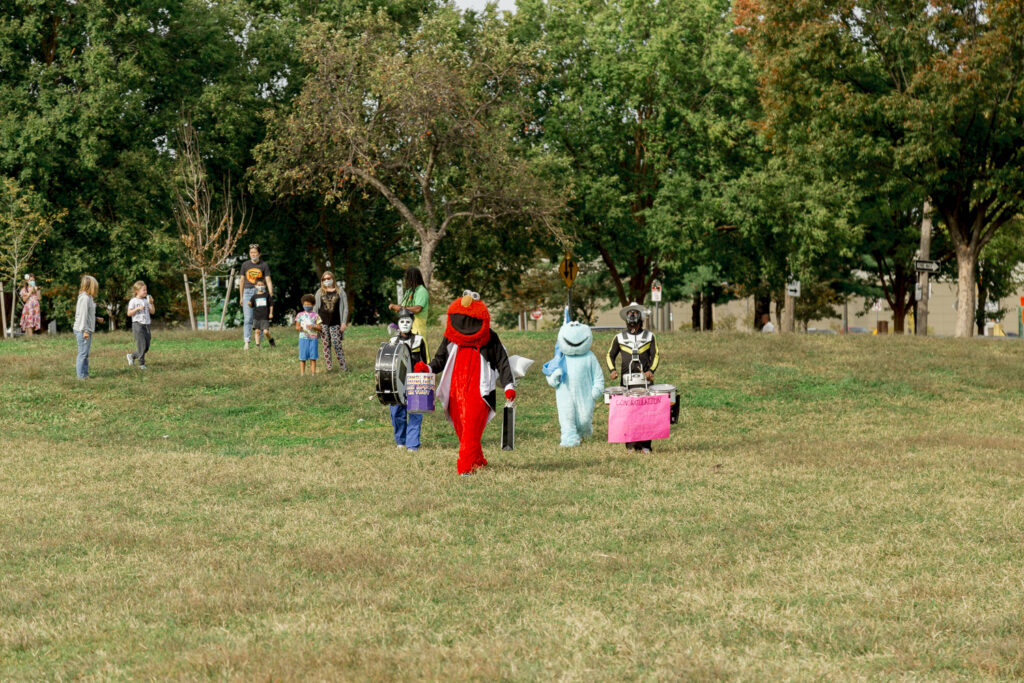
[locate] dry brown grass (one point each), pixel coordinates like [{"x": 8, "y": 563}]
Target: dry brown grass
[{"x": 829, "y": 508}]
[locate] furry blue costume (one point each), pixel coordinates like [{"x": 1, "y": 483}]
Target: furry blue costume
[{"x": 577, "y": 384}]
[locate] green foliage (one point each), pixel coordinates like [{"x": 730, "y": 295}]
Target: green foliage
[
  {"x": 649, "y": 100},
  {"x": 427, "y": 122},
  {"x": 908, "y": 99}
]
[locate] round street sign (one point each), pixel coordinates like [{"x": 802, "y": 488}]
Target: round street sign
[{"x": 536, "y": 314}]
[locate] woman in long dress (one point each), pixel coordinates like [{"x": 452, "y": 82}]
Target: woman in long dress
[{"x": 30, "y": 318}]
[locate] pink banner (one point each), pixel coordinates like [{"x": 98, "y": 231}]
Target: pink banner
[{"x": 638, "y": 418}]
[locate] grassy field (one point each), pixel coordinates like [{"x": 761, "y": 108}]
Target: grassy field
[{"x": 828, "y": 508}]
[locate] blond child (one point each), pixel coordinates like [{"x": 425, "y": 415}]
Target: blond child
[
  {"x": 85, "y": 322},
  {"x": 140, "y": 309}
]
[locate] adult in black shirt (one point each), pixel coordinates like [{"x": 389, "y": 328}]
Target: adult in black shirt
[{"x": 253, "y": 270}]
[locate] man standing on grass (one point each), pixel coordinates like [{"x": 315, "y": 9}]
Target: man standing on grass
[{"x": 253, "y": 270}]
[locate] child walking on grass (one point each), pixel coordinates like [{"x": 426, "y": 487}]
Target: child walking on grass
[
  {"x": 262, "y": 304},
  {"x": 141, "y": 309},
  {"x": 308, "y": 323}
]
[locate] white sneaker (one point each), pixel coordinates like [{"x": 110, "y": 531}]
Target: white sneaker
[
  {"x": 246, "y": 346},
  {"x": 131, "y": 361},
  {"x": 401, "y": 447}
]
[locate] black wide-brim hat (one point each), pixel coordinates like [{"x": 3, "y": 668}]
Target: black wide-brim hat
[{"x": 632, "y": 307}]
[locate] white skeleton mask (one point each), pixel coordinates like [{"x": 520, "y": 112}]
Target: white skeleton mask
[{"x": 405, "y": 325}]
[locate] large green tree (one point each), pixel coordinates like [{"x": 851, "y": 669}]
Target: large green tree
[
  {"x": 644, "y": 98},
  {"x": 931, "y": 87},
  {"x": 428, "y": 121},
  {"x": 90, "y": 93}
]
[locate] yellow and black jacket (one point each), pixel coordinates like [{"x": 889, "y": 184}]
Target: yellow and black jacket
[{"x": 623, "y": 346}]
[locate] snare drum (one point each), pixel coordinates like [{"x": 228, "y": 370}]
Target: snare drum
[
  {"x": 669, "y": 389},
  {"x": 673, "y": 395},
  {"x": 613, "y": 391},
  {"x": 389, "y": 372}
]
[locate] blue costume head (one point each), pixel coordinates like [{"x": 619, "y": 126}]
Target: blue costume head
[{"x": 575, "y": 339}]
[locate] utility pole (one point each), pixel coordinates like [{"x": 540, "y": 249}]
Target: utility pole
[{"x": 921, "y": 325}]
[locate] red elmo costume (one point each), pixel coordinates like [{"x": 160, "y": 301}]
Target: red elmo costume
[{"x": 471, "y": 359}]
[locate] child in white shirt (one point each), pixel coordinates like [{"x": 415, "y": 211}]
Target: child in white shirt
[{"x": 141, "y": 309}]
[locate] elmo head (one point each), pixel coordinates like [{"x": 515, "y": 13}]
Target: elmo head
[{"x": 469, "y": 321}]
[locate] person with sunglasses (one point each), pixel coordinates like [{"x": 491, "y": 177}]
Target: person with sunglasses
[{"x": 253, "y": 270}]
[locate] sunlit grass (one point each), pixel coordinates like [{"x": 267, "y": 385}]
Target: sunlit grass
[{"x": 827, "y": 508}]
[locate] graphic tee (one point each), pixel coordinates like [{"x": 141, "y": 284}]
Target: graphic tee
[
  {"x": 330, "y": 311},
  {"x": 252, "y": 272},
  {"x": 143, "y": 315},
  {"x": 261, "y": 304},
  {"x": 307, "y": 324}
]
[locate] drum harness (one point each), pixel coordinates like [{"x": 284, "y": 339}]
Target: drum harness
[{"x": 633, "y": 378}]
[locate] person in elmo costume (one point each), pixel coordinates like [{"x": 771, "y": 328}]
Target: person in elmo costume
[{"x": 471, "y": 360}]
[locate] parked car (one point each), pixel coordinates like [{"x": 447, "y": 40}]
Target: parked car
[
  {"x": 820, "y": 330},
  {"x": 859, "y": 330}
]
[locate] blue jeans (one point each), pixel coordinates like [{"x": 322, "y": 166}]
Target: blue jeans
[
  {"x": 407, "y": 426},
  {"x": 247, "y": 294},
  {"x": 82, "y": 362}
]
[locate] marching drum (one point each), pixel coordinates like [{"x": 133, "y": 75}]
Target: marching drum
[
  {"x": 390, "y": 371},
  {"x": 673, "y": 397},
  {"x": 613, "y": 391}
]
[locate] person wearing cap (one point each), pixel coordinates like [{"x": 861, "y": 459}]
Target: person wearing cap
[
  {"x": 253, "y": 270},
  {"x": 638, "y": 353},
  {"x": 406, "y": 424}
]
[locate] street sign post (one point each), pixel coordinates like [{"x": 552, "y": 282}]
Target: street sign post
[
  {"x": 656, "y": 291},
  {"x": 656, "y": 300},
  {"x": 923, "y": 266},
  {"x": 568, "y": 270}
]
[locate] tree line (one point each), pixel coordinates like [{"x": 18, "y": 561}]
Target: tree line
[{"x": 723, "y": 147}]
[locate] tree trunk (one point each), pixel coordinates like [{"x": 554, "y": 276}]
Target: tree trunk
[
  {"x": 980, "y": 316},
  {"x": 3, "y": 310},
  {"x": 899, "y": 317},
  {"x": 967, "y": 263},
  {"x": 762, "y": 305},
  {"x": 206, "y": 309},
  {"x": 427, "y": 247},
  {"x": 695, "y": 312},
  {"x": 188, "y": 298},
  {"x": 921, "y": 321},
  {"x": 709, "y": 313},
  {"x": 227, "y": 295},
  {"x": 789, "y": 315}
]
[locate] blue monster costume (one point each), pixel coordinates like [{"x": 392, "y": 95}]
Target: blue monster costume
[{"x": 578, "y": 383}]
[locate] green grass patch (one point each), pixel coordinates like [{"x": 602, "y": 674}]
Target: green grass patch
[{"x": 828, "y": 508}]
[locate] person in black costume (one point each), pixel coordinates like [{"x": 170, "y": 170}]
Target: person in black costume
[{"x": 638, "y": 353}]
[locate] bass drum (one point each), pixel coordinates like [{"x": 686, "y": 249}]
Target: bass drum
[{"x": 389, "y": 372}]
